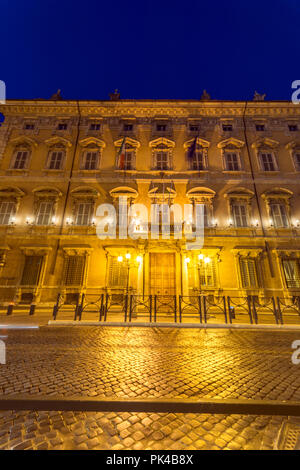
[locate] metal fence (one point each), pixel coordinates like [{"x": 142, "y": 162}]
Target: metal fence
[{"x": 119, "y": 306}]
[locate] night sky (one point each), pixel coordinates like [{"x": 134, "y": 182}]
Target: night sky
[{"x": 149, "y": 49}]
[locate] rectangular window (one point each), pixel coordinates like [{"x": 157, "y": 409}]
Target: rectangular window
[
  {"x": 29, "y": 127},
  {"x": 267, "y": 162},
  {"x": 239, "y": 215},
  {"x": 291, "y": 273},
  {"x": 128, "y": 162},
  {"x": 161, "y": 127},
  {"x": 32, "y": 270},
  {"x": 227, "y": 127},
  {"x": 128, "y": 127},
  {"x": 55, "y": 160},
  {"x": 279, "y": 215},
  {"x": 232, "y": 162},
  {"x": 207, "y": 273},
  {"x": 194, "y": 128},
  {"x": 248, "y": 273},
  {"x": 20, "y": 160},
  {"x": 260, "y": 127},
  {"x": 162, "y": 160},
  {"x": 7, "y": 211},
  {"x": 44, "y": 214},
  {"x": 95, "y": 127},
  {"x": 90, "y": 161},
  {"x": 117, "y": 273},
  {"x": 199, "y": 219},
  {"x": 198, "y": 161},
  {"x": 293, "y": 127},
  {"x": 297, "y": 161},
  {"x": 62, "y": 126},
  {"x": 74, "y": 270},
  {"x": 84, "y": 213}
]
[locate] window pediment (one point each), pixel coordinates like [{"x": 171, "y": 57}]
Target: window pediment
[
  {"x": 264, "y": 143},
  {"x": 276, "y": 194},
  {"x": 25, "y": 141},
  {"x": 200, "y": 194},
  {"x": 11, "y": 193},
  {"x": 86, "y": 193},
  {"x": 239, "y": 193},
  {"x": 92, "y": 142},
  {"x": 200, "y": 143},
  {"x": 129, "y": 143},
  {"x": 58, "y": 141},
  {"x": 231, "y": 143},
  {"x": 123, "y": 191},
  {"x": 162, "y": 141},
  {"x": 46, "y": 193}
]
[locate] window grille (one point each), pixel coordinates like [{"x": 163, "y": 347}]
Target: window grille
[
  {"x": 117, "y": 273},
  {"x": 32, "y": 270},
  {"x": 74, "y": 270}
]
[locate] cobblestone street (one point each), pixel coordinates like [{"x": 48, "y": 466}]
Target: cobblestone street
[{"x": 145, "y": 363}]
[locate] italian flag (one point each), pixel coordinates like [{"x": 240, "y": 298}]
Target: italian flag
[{"x": 121, "y": 159}]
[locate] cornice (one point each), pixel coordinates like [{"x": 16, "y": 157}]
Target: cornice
[{"x": 179, "y": 109}]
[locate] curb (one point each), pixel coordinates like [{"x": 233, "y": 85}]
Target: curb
[
  {"x": 210, "y": 406},
  {"x": 230, "y": 326}
]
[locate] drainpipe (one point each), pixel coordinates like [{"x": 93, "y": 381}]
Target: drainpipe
[
  {"x": 270, "y": 261},
  {"x": 68, "y": 189}
]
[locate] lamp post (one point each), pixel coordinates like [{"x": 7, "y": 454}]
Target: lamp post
[
  {"x": 129, "y": 264},
  {"x": 199, "y": 263}
]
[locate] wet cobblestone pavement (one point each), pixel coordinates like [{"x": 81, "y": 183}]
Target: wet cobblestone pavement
[
  {"x": 145, "y": 363},
  {"x": 138, "y": 431}
]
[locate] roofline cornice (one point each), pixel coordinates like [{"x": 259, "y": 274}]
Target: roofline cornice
[{"x": 151, "y": 108}]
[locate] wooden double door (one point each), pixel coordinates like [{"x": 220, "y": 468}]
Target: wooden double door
[{"x": 162, "y": 274}]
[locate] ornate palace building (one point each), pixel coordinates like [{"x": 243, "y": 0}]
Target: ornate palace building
[{"x": 59, "y": 162}]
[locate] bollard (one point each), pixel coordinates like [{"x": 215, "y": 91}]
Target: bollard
[
  {"x": 232, "y": 311},
  {"x": 10, "y": 308},
  {"x": 32, "y": 309}
]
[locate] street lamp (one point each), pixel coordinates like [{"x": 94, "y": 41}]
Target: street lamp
[
  {"x": 199, "y": 265},
  {"x": 130, "y": 264}
]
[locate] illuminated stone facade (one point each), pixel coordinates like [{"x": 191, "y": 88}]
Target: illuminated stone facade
[{"x": 59, "y": 161}]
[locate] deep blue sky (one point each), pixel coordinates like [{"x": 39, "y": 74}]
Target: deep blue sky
[{"x": 149, "y": 48}]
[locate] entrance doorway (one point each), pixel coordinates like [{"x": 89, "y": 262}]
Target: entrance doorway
[{"x": 162, "y": 274}]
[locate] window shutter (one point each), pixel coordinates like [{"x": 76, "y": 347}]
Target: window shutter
[
  {"x": 248, "y": 272},
  {"x": 291, "y": 272},
  {"x": 32, "y": 270},
  {"x": 74, "y": 270},
  {"x": 117, "y": 274}
]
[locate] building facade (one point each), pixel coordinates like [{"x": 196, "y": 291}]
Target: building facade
[{"x": 60, "y": 160}]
